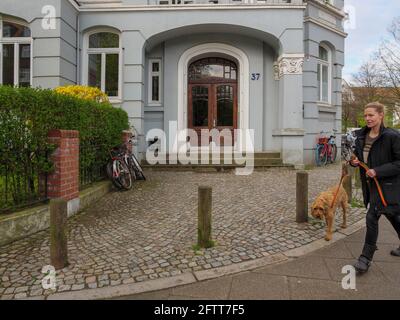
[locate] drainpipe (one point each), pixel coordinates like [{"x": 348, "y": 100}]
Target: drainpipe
[{"x": 78, "y": 69}]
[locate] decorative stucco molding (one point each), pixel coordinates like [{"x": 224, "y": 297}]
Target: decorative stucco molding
[
  {"x": 288, "y": 64},
  {"x": 276, "y": 71}
]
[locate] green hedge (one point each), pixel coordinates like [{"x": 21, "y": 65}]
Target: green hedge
[{"x": 27, "y": 115}]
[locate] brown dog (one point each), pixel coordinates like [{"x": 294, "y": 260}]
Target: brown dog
[{"x": 322, "y": 208}]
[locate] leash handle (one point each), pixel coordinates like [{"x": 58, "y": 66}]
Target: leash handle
[{"x": 365, "y": 167}]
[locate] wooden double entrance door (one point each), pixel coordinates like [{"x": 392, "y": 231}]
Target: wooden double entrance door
[{"x": 213, "y": 98}]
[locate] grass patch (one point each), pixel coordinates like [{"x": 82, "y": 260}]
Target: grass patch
[
  {"x": 198, "y": 249},
  {"x": 356, "y": 204},
  {"x": 316, "y": 222},
  {"x": 309, "y": 167}
]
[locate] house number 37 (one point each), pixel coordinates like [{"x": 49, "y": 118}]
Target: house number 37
[{"x": 255, "y": 76}]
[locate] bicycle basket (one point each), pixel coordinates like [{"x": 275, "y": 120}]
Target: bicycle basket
[
  {"x": 322, "y": 140},
  {"x": 118, "y": 151}
]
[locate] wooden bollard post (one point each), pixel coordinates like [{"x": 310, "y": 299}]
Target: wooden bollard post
[
  {"x": 302, "y": 197},
  {"x": 204, "y": 217},
  {"x": 357, "y": 178},
  {"x": 58, "y": 234},
  {"x": 347, "y": 185}
]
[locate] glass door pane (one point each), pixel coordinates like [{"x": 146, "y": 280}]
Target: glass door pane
[
  {"x": 225, "y": 106},
  {"x": 200, "y": 106},
  {"x": 8, "y": 64},
  {"x": 24, "y": 65}
]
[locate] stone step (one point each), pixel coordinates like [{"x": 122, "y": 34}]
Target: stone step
[
  {"x": 263, "y": 157},
  {"x": 257, "y": 162},
  {"x": 209, "y": 168}
]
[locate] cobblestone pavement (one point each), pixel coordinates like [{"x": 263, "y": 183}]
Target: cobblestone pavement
[{"x": 148, "y": 233}]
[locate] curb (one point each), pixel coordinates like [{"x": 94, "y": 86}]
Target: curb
[
  {"x": 125, "y": 289},
  {"x": 239, "y": 267}
]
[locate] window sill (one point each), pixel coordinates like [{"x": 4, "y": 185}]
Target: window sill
[
  {"x": 115, "y": 101},
  {"x": 326, "y": 107}
]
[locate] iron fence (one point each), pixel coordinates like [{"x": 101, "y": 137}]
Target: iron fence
[
  {"x": 92, "y": 163},
  {"x": 21, "y": 186}
]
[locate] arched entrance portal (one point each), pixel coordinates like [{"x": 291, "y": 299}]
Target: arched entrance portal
[{"x": 212, "y": 96}]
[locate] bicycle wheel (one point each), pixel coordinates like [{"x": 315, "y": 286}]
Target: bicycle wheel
[
  {"x": 322, "y": 155},
  {"x": 317, "y": 156},
  {"x": 333, "y": 153},
  {"x": 124, "y": 175},
  {"x": 132, "y": 171},
  {"x": 137, "y": 168},
  {"x": 113, "y": 179}
]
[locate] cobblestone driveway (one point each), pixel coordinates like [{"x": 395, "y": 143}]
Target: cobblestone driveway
[{"x": 148, "y": 233}]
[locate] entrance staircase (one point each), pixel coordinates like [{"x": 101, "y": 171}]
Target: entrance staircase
[{"x": 261, "y": 160}]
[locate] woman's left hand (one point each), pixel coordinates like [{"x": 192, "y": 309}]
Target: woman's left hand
[{"x": 371, "y": 173}]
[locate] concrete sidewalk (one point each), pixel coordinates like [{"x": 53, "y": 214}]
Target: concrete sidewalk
[{"x": 314, "y": 276}]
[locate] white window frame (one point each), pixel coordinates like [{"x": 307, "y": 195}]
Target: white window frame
[
  {"x": 152, "y": 74},
  {"x": 16, "y": 41},
  {"x": 103, "y": 51},
  {"x": 328, "y": 63}
]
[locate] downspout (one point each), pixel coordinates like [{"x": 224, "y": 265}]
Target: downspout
[{"x": 78, "y": 50}]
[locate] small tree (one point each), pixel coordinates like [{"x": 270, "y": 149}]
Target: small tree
[{"x": 389, "y": 58}]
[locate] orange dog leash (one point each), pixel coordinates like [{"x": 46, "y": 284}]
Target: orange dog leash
[
  {"x": 344, "y": 174},
  {"x": 363, "y": 165}
]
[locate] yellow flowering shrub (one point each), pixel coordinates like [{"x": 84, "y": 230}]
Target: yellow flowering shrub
[{"x": 84, "y": 92}]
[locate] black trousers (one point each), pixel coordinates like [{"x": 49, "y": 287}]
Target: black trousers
[{"x": 392, "y": 213}]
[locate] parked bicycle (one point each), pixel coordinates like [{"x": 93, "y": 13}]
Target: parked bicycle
[
  {"x": 124, "y": 168},
  {"x": 348, "y": 144},
  {"x": 118, "y": 171},
  {"x": 326, "y": 150},
  {"x": 133, "y": 163}
]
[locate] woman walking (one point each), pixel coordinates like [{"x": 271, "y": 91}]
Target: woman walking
[{"x": 379, "y": 148}]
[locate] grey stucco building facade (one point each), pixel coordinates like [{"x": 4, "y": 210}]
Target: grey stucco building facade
[{"x": 273, "y": 66}]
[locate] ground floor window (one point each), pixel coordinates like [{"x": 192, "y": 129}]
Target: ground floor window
[
  {"x": 154, "y": 82},
  {"x": 103, "y": 62},
  {"x": 324, "y": 75},
  {"x": 103, "y": 73},
  {"x": 15, "y": 53}
]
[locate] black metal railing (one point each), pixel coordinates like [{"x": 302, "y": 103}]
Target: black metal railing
[
  {"x": 21, "y": 188},
  {"x": 92, "y": 164}
]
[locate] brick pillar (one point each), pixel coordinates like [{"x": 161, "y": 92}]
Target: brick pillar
[
  {"x": 126, "y": 136},
  {"x": 63, "y": 182}
]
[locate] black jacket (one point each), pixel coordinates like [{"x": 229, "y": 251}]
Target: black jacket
[{"x": 384, "y": 158}]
